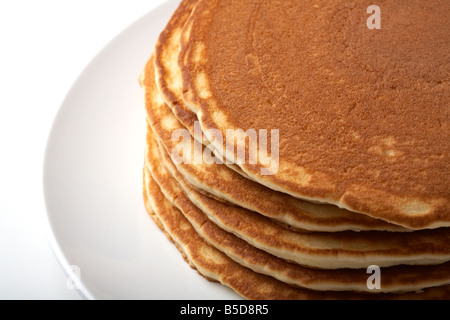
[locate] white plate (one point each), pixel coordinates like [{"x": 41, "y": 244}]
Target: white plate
[{"x": 93, "y": 182}]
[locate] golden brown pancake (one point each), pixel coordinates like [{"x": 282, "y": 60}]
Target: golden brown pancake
[
  {"x": 363, "y": 114},
  {"x": 221, "y": 182},
  {"x": 395, "y": 279}
]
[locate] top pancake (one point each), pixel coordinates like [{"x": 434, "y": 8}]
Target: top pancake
[
  {"x": 220, "y": 181},
  {"x": 363, "y": 114}
]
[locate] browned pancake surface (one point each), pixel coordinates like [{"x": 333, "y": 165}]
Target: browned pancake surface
[{"x": 363, "y": 114}]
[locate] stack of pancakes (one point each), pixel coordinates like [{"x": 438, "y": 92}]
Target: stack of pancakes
[{"x": 361, "y": 177}]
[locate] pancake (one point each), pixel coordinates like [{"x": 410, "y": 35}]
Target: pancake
[
  {"x": 221, "y": 182},
  {"x": 215, "y": 266},
  {"x": 396, "y": 279},
  {"x": 362, "y": 114},
  {"x": 318, "y": 250}
]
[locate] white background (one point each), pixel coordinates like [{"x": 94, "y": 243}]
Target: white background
[{"x": 44, "y": 47}]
